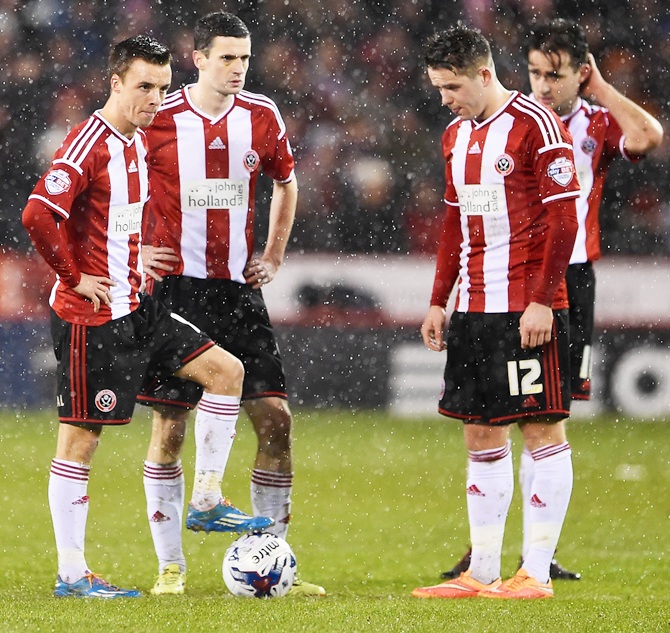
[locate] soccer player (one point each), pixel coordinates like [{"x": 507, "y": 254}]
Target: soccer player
[
  {"x": 84, "y": 216},
  {"x": 604, "y": 124},
  {"x": 208, "y": 144},
  {"x": 509, "y": 228}
]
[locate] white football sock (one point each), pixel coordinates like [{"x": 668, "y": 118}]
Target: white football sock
[
  {"x": 215, "y": 422},
  {"x": 271, "y": 497},
  {"x": 547, "y": 507},
  {"x": 68, "y": 502},
  {"x": 526, "y": 474},
  {"x": 164, "y": 490},
  {"x": 490, "y": 485}
]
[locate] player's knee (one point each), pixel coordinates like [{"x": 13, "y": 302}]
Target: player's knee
[
  {"x": 234, "y": 370},
  {"x": 225, "y": 374}
]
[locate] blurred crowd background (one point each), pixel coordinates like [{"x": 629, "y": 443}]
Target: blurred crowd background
[{"x": 348, "y": 77}]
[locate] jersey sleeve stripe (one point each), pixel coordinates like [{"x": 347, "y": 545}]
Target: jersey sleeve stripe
[
  {"x": 263, "y": 101},
  {"x": 562, "y": 196},
  {"x": 172, "y": 100},
  {"x": 545, "y": 122},
  {"x": 555, "y": 146},
  {"x": 78, "y": 141},
  {"x": 545, "y": 113},
  {"x": 50, "y": 204},
  {"x": 77, "y": 153},
  {"x": 69, "y": 163},
  {"x": 289, "y": 179}
]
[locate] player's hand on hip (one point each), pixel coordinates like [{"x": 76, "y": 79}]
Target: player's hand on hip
[
  {"x": 155, "y": 258},
  {"x": 432, "y": 330},
  {"x": 535, "y": 325},
  {"x": 260, "y": 272},
  {"x": 95, "y": 289}
]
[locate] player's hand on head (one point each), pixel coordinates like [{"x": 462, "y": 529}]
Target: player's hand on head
[
  {"x": 155, "y": 258},
  {"x": 535, "y": 325},
  {"x": 432, "y": 330},
  {"x": 95, "y": 289},
  {"x": 592, "y": 81},
  {"x": 259, "y": 272}
]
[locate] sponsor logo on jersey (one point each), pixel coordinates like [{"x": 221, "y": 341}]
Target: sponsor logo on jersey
[
  {"x": 57, "y": 181},
  {"x": 125, "y": 219},
  {"x": 561, "y": 171},
  {"x": 217, "y": 143},
  {"x": 504, "y": 164},
  {"x": 132, "y": 168},
  {"x": 475, "y": 148},
  {"x": 251, "y": 160},
  {"x": 105, "y": 400},
  {"x": 215, "y": 193},
  {"x": 481, "y": 199},
  {"x": 589, "y": 145}
]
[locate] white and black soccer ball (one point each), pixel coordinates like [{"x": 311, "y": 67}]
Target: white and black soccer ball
[{"x": 259, "y": 566}]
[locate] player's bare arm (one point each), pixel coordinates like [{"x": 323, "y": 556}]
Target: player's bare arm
[
  {"x": 157, "y": 258},
  {"x": 96, "y": 289},
  {"x": 432, "y": 330},
  {"x": 535, "y": 325},
  {"x": 262, "y": 270},
  {"x": 642, "y": 131}
]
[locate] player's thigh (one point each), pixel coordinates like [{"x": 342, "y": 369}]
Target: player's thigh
[
  {"x": 515, "y": 383},
  {"x": 460, "y": 397},
  {"x": 98, "y": 369},
  {"x": 215, "y": 370}
]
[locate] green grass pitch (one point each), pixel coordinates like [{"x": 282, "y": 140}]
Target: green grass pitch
[{"x": 378, "y": 508}]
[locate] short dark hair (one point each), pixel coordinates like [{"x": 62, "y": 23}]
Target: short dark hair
[
  {"x": 458, "y": 49},
  {"x": 143, "y": 47},
  {"x": 218, "y": 24},
  {"x": 560, "y": 35}
]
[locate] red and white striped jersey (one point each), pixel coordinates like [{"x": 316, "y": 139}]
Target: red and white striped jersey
[
  {"x": 597, "y": 140},
  {"x": 503, "y": 175},
  {"x": 203, "y": 174},
  {"x": 98, "y": 184}
]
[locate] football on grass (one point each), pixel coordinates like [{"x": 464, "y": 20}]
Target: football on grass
[{"x": 259, "y": 566}]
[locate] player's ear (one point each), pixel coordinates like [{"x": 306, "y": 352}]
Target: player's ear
[
  {"x": 198, "y": 58},
  {"x": 584, "y": 73},
  {"x": 486, "y": 74},
  {"x": 115, "y": 83}
]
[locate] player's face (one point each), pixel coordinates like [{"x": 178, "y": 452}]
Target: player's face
[
  {"x": 141, "y": 92},
  {"x": 464, "y": 96},
  {"x": 554, "y": 82},
  {"x": 225, "y": 68}
]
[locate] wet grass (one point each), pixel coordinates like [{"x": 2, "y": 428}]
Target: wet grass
[{"x": 379, "y": 508}]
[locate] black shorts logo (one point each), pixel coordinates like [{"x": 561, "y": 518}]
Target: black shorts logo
[{"x": 105, "y": 400}]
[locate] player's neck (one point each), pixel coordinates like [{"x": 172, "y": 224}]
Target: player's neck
[
  {"x": 500, "y": 95},
  {"x": 210, "y": 101},
  {"x": 116, "y": 119}
]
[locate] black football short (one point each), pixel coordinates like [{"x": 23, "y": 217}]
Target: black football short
[
  {"x": 581, "y": 282},
  {"x": 101, "y": 368},
  {"x": 236, "y": 318},
  {"x": 489, "y": 379}
]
